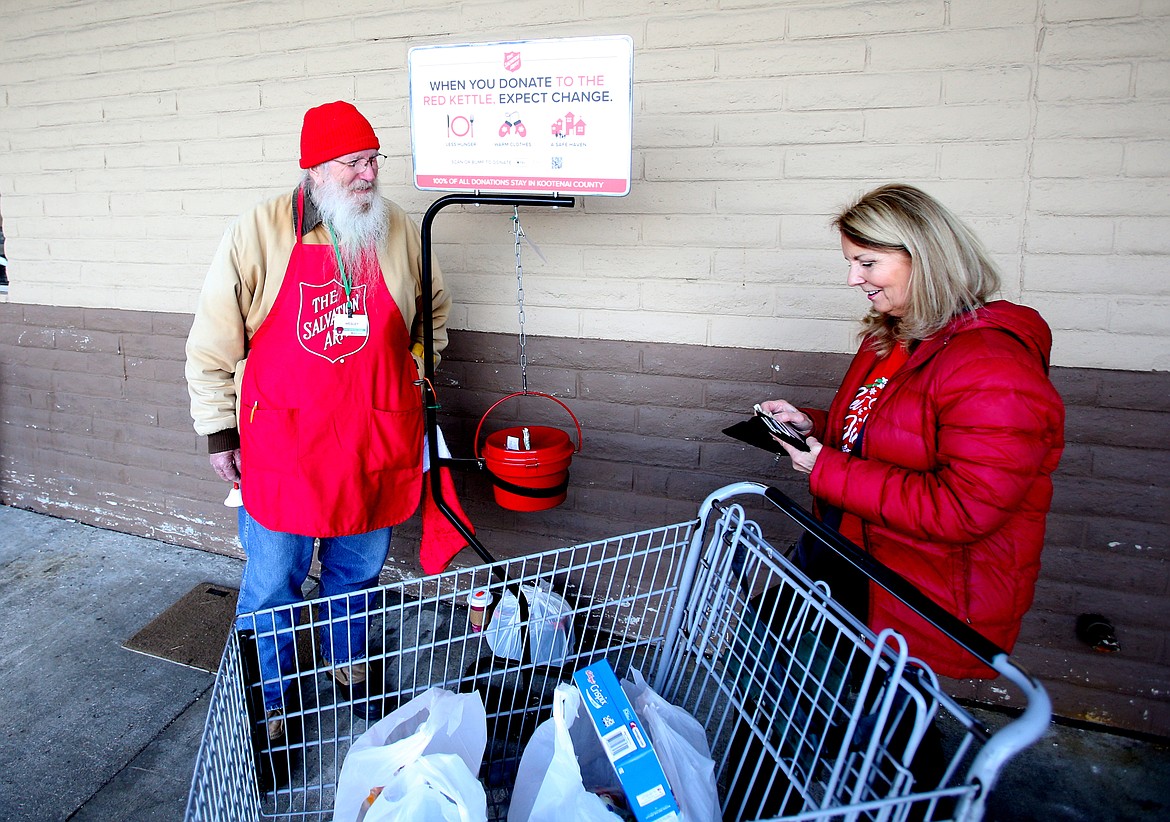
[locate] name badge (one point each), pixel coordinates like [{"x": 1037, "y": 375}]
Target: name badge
[{"x": 356, "y": 326}]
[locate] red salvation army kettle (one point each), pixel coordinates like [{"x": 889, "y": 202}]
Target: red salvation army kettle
[{"x": 528, "y": 464}]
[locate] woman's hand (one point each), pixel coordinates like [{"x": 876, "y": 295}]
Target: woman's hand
[
  {"x": 784, "y": 411},
  {"x": 803, "y": 461}
]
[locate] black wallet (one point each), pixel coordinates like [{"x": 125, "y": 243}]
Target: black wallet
[{"x": 755, "y": 431}]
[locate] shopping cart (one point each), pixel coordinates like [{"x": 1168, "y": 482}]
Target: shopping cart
[{"x": 810, "y": 715}]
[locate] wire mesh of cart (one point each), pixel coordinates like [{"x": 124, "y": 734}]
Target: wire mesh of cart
[{"x": 809, "y": 714}]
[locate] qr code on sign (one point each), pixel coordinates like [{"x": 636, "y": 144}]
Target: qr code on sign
[{"x": 557, "y": 162}]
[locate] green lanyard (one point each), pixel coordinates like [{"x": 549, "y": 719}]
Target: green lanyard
[{"x": 345, "y": 281}]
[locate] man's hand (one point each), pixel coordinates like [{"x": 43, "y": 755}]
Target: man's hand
[{"x": 227, "y": 465}]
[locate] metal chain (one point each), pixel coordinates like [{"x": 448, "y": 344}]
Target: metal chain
[{"x": 518, "y": 233}]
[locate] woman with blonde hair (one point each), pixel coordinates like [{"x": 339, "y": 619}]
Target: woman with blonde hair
[{"x": 937, "y": 451}]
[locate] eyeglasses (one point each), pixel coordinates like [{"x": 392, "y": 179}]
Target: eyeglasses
[{"x": 362, "y": 163}]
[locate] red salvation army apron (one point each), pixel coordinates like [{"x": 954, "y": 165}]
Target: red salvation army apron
[{"x": 330, "y": 419}]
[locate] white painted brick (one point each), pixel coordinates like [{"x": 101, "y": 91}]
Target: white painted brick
[
  {"x": 658, "y": 261},
  {"x": 47, "y": 182},
  {"x": 858, "y": 162},
  {"x": 58, "y": 156},
  {"x": 864, "y": 91},
  {"x": 1104, "y": 198},
  {"x": 983, "y": 161},
  {"x": 1084, "y": 82},
  {"x": 137, "y": 56},
  {"x": 655, "y": 197},
  {"x": 993, "y": 13},
  {"x": 981, "y": 202},
  {"x": 1088, "y": 349},
  {"x": 1077, "y": 312},
  {"x": 1007, "y": 121},
  {"x": 193, "y": 46},
  {"x": 365, "y": 60},
  {"x": 810, "y": 231},
  {"x": 48, "y": 86},
  {"x": 785, "y": 334},
  {"x": 755, "y": 121},
  {"x": 321, "y": 33},
  {"x": 1138, "y": 119},
  {"x": 979, "y": 85},
  {"x": 1150, "y": 158},
  {"x": 820, "y": 268},
  {"x": 1106, "y": 41},
  {"x": 681, "y": 329},
  {"x": 1064, "y": 11},
  {"x": 787, "y": 58},
  {"x": 673, "y": 131},
  {"x": 1069, "y": 235},
  {"x": 711, "y": 230},
  {"x": 65, "y": 114},
  {"x": 477, "y": 17},
  {"x": 1144, "y": 235},
  {"x": 712, "y": 96},
  {"x": 157, "y": 202},
  {"x": 713, "y": 164},
  {"x": 766, "y": 24},
  {"x": 1141, "y": 317},
  {"x": 295, "y": 92},
  {"x": 821, "y": 20},
  {"x": 1153, "y": 79},
  {"x": 674, "y": 65},
  {"x": 619, "y": 8},
  {"x": 776, "y": 197},
  {"x": 772, "y": 128},
  {"x": 138, "y": 106},
  {"x": 953, "y": 50},
  {"x": 1079, "y": 158},
  {"x": 261, "y": 68},
  {"x": 217, "y": 100},
  {"x": 146, "y": 154},
  {"x": 708, "y": 298}
]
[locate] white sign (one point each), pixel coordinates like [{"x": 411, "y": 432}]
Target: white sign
[{"x": 535, "y": 116}]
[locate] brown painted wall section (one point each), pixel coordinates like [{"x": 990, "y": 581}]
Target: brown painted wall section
[{"x": 94, "y": 427}]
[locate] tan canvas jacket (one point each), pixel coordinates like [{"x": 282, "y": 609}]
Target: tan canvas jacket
[{"x": 242, "y": 284}]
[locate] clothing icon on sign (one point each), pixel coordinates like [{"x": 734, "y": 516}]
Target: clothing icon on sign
[{"x": 512, "y": 123}]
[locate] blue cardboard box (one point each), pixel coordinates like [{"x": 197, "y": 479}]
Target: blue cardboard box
[{"x": 626, "y": 744}]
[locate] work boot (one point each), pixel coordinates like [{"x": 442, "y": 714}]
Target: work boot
[
  {"x": 275, "y": 732},
  {"x": 361, "y": 684}
]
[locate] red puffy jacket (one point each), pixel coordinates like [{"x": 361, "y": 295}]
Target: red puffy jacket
[{"x": 953, "y": 482}]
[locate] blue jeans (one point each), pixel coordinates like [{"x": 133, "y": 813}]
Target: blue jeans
[{"x": 277, "y": 565}]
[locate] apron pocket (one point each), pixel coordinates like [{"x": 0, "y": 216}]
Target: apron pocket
[
  {"x": 269, "y": 438},
  {"x": 395, "y": 440}
]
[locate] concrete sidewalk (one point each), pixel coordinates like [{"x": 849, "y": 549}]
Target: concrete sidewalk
[{"x": 91, "y": 731}]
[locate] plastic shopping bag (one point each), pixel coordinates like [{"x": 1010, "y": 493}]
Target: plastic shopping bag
[
  {"x": 681, "y": 745},
  {"x": 550, "y": 626},
  {"x": 561, "y": 763},
  {"x": 419, "y": 762},
  {"x": 431, "y": 789}
]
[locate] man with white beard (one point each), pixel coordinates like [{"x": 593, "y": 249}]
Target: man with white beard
[{"x": 318, "y": 293}]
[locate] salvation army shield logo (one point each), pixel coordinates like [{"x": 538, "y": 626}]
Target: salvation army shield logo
[
  {"x": 512, "y": 60},
  {"x": 316, "y": 329}
]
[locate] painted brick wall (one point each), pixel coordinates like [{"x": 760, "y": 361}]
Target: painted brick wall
[
  {"x": 94, "y": 427},
  {"x": 131, "y": 132}
]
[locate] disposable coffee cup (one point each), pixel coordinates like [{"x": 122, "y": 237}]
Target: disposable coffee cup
[
  {"x": 234, "y": 498},
  {"x": 478, "y": 602}
]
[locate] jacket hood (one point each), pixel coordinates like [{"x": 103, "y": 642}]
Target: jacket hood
[{"x": 1022, "y": 322}]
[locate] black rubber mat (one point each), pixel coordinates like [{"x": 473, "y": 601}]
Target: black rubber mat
[{"x": 191, "y": 632}]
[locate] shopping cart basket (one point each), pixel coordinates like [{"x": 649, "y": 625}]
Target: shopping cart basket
[{"x": 810, "y": 715}]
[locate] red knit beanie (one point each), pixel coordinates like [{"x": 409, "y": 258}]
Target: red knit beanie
[{"x": 334, "y": 130}]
